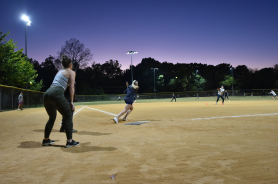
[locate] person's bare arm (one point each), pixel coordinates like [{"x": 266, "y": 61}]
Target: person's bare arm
[{"x": 71, "y": 89}]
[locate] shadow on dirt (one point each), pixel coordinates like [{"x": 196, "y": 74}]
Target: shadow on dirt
[
  {"x": 78, "y": 132},
  {"x": 83, "y": 147},
  {"x": 33, "y": 144}
]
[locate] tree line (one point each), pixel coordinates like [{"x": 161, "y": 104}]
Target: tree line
[{"x": 109, "y": 78}]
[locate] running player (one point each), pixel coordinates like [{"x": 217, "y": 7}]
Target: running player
[
  {"x": 220, "y": 94},
  {"x": 54, "y": 100},
  {"x": 174, "y": 97},
  {"x": 129, "y": 99},
  {"x": 273, "y": 94}
]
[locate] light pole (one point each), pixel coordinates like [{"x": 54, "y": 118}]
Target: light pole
[
  {"x": 154, "y": 78},
  {"x": 131, "y": 53},
  {"x": 196, "y": 80},
  {"x": 232, "y": 81},
  {"x": 28, "y": 23}
]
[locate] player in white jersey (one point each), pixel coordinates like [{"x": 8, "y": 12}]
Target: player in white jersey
[
  {"x": 220, "y": 94},
  {"x": 273, "y": 94}
]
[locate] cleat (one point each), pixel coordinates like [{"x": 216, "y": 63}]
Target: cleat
[
  {"x": 72, "y": 143},
  {"x": 116, "y": 120},
  {"x": 47, "y": 142}
]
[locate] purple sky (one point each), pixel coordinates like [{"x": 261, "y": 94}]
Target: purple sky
[{"x": 203, "y": 31}]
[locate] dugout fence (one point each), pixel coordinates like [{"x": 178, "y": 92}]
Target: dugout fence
[{"x": 9, "y": 98}]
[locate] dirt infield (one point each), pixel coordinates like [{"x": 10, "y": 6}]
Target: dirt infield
[{"x": 222, "y": 146}]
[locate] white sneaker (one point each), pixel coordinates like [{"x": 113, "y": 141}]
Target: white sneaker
[
  {"x": 124, "y": 119},
  {"x": 19, "y": 109},
  {"x": 116, "y": 120}
]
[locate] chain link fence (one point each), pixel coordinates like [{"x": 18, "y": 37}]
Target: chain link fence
[
  {"x": 158, "y": 95},
  {"x": 9, "y": 98}
]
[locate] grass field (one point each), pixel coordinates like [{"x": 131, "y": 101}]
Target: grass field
[{"x": 184, "y": 142}]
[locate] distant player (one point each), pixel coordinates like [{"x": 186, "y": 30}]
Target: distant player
[
  {"x": 173, "y": 97},
  {"x": 220, "y": 92},
  {"x": 197, "y": 96},
  {"x": 273, "y": 94},
  {"x": 20, "y": 101},
  {"x": 129, "y": 100},
  {"x": 119, "y": 98},
  {"x": 263, "y": 94},
  {"x": 226, "y": 94},
  {"x": 135, "y": 98}
]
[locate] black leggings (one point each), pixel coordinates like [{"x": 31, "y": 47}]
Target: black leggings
[
  {"x": 227, "y": 97},
  {"x": 220, "y": 97},
  {"x": 173, "y": 99},
  {"x": 54, "y": 100}
]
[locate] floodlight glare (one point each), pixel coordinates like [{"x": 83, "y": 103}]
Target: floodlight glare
[
  {"x": 132, "y": 52},
  {"x": 28, "y": 23},
  {"x": 24, "y": 17}
]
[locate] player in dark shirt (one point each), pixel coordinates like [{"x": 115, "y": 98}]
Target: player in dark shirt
[
  {"x": 174, "y": 97},
  {"x": 129, "y": 100},
  {"x": 263, "y": 95}
]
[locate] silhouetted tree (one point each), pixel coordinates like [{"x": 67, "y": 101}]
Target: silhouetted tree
[{"x": 77, "y": 52}]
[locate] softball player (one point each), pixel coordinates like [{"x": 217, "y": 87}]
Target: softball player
[
  {"x": 129, "y": 100},
  {"x": 273, "y": 94}
]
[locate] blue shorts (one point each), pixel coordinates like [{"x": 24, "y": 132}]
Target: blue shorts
[{"x": 127, "y": 102}]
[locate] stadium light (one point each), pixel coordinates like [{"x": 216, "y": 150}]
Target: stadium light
[
  {"x": 131, "y": 53},
  {"x": 232, "y": 80},
  {"x": 154, "y": 78},
  {"x": 28, "y": 23},
  {"x": 196, "y": 80}
]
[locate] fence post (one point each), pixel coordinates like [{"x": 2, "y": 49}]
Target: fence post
[
  {"x": 0, "y": 98},
  {"x": 12, "y": 99},
  {"x": 28, "y": 99}
]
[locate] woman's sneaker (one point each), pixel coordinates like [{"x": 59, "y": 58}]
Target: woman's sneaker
[
  {"x": 116, "y": 120},
  {"x": 47, "y": 142},
  {"x": 72, "y": 143},
  {"x": 124, "y": 119}
]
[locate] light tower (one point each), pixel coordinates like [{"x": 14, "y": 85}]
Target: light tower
[
  {"x": 154, "y": 78},
  {"x": 28, "y": 23},
  {"x": 131, "y": 53}
]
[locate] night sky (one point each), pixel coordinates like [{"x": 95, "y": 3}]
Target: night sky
[{"x": 243, "y": 32}]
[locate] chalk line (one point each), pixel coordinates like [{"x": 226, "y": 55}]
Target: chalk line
[
  {"x": 103, "y": 111},
  {"x": 79, "y": 110},
  {"x": 240, "y": 116}
]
